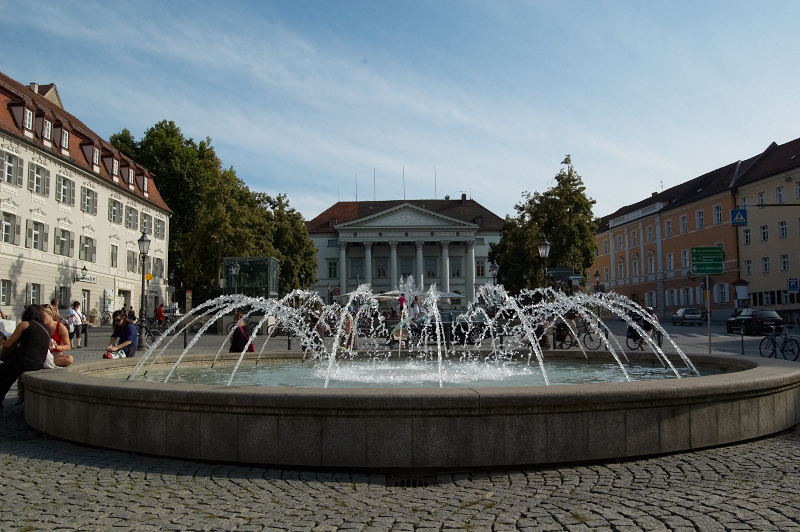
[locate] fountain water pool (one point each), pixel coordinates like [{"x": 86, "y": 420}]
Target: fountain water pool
[{"x": 440, "y": 427}]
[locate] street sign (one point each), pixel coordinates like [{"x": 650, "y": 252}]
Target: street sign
[
  {"x": 794, "y": 286},
  {"x": 739, "y": 217},
  {"x": 707, "y": 260},
  {"x": 148, "y": 276}
]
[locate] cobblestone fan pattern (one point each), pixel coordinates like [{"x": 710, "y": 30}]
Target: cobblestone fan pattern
[{"x": 53, "y": 485}]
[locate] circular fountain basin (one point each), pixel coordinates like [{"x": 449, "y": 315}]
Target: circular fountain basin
[{"x": 383, "y": 428}]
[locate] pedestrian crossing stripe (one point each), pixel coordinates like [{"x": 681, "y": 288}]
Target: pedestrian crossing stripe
[{"x": 739, "y": 219}]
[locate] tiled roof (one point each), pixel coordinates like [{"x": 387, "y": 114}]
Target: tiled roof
[
  {"x": 460, "y": 209},
  {"x": 13, "y": 93},
  {"x": 776, "y": 159}
]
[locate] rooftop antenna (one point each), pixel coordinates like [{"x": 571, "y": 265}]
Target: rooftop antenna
[
  {"x": 662, "y": 186},
  {"x": 434, "y": 183},
  {"x": 356, "y": 187},
  {"x": 404, "y": 183},
  {"x": 373, "y": 183}
]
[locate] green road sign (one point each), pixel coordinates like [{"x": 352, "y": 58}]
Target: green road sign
[
  {"x": 710, "y": 268},
  {"x": 708, "y": 254}
]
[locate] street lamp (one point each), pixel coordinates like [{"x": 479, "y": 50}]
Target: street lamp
[
  {"x": 144, "y": 247},
  {"x": 493, "y": 268},
  {"x": 302, "y": 279},
  {"x": 597, "y": 280},
  {"x": 544, "y": 252},
  {"x": 235, "y": 273}
]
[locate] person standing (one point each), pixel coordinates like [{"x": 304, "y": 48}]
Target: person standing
[
  {"x": 401, "y": 302},
  {"x": 34, "y": 341},
  {"x": 160, "y": 314},
  {"x": 76, "y": 320},
  {"x": 415, "y": 309},
  {"x": 124, "y": 339},
  {"x": 241, "y": 335}
]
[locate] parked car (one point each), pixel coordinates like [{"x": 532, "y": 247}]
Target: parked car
[
  {"x": 687, "y": 316},
  {"x": 754, "y": 321}
]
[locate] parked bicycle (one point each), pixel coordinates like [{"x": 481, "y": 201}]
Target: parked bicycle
[
  {"x": 592, "y": 339},
  {"x": 635, "y": 341},
  {"x": 105, "y": 318},
  {"x": 781, "y": 343}
]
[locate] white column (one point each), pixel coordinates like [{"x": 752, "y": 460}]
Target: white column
[
  {"x": 445, "y": 266},
  {"x": 342, "y": 268},
  {"x": 420, "y": 266},
  {"x": 470, "y": 270},
  {"x": 368, "y": 263},
  {"x": 393, "y": 265}
]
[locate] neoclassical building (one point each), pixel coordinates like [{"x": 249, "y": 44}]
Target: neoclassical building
[
  {"x": 72, "y": 210},
  {"x": 444, "y": 242}
]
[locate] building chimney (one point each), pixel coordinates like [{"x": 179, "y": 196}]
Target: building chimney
[
  {"x": 447, "y": 198},
  {"x": 463, "y": 199},
  {"x": 34, "y": 87}
]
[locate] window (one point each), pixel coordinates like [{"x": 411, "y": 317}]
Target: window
[
  {"x": 12, "y": 169},
  {"x": 686, "y": 296},
  {"x": 606, "y": 275},
  {"x": 36, "y": 294},
  {"x": 668, "y": 228},
  {"x": 721, "y": 293},
  {"x": 29, "y": 119},
  {"x": 670, "y": 262},
  {"x": 430, "y": 266},
  {"x": 63, "y": 242},
  {"x": 36, "y": 235},
  {"x": 480, "y": 268},
  {"x": 651, "y": 265},
  {"x": 672, "y": 297},
  {"x": 746, "y": 236},
  {"x": 357, "y": 268},
  {"x": 619, "y": 242},
  {"x": 743, "y": 203},
  {"x": 11, "y": 228},
  {"x": 620, "y": 271},
  {"x": 699, "y": 220},
  {"x": 333, "y": 243},
  {"x": 634, "y": 239},
  {"x": 780, "y": 195},
  {"x": 762, "y": 198},
  {"x": 131, "y": 217},
  {"x": 650, "y": 299},
  {"x": 767, "y": 297},
  {"x": 6, "y": 293},
  {"x": 65, "y": 140},
  {"x": 455, "y": 267},
  {"x": 115, "y": 168},
  {"x": 605, "y": 242},
  {"x": 65, "y": 190},
  {"x": 748, "y": 267},
  {"x": 717, "y": 214},
  {"x": 685, "y": 258},
  {"x": 115, "y": 211},
  {"x": 131, "y": 177},
  {"x": 380, "y": 267},
  {"x": 48, "y": 129},
  {"x": 38, "y": 179},
  {"x": 635, "y": 267},
  {"x": 63, "y": 297},
  {"x": 114, "y": 254},
  {"x": 782, "y": 230},
  {"x": 649, "y": 234},
  {"x": 764, "y": 233},
  {"x": 146, "y": 223},
  {"x": 160, "y": 229},
  {"x": 88, "y": 200},
  {"x": 95, "y": 156},
  {"x": 131, "y": 265},
  {"x": 797, "y": 190},
  {"x": 764, "y": 264},
  {"x": 158, "y": 267},
  {"x": 784, "y": 262},
  {"x": 684, "y": 224},
  {"x": 87, "y": 249},
  {"x": 332, "y": 269}
]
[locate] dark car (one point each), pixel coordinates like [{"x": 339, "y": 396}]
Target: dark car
[
  {"x": 752, "y": 321},
  {"x": 687, "y": 316}
]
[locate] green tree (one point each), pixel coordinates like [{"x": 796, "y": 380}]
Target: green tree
[{"x": 563, "y": 216}]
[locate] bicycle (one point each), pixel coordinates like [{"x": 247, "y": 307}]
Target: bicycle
[
  {"x": 591, "y": 339},
  {"x": 105, "y": 318},
  {"x": 634, "y": 341},
  {"x": 789, "y": 347},
  {"x": 248, "y": 324}
]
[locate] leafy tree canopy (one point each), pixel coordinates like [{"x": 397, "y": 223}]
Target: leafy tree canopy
[{"x": 563, "y": 216}]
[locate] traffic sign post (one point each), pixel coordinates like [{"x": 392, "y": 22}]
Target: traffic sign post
[
  {"x": 739, "y": 217},
  {"x": 707, "y": 260},
  {"x": 794, "y": 286}
]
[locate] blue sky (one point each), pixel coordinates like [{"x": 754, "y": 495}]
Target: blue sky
[{"x": 308, "y": 98}]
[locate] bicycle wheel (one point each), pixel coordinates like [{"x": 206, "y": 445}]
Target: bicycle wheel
[
  {"x": 566, "y": 343},
  {"x": 150, "y": 336},
  {"x": 592, "y": 341},
  {"x": 791, "y": 349},
  {"x": 767, "y": 347},
  {"x": 230, "y": 327},
  {"x": 659, "y": 338},
  {"x": 633, "y": 343}
]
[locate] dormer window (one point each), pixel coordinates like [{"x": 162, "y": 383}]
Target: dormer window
[
  {"x": 96, "y": 156},
  {"x": 65, "y": 140},
  {"x": 131, "y": 177},
  {"x": 28, "y": 119},
  {"x": 48, "y": 130},
  {"x": 146, "y": 184},
  {"x": 115, "y": 168}
]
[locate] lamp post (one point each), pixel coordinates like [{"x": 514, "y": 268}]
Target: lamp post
[
  {"x": 597, "y": 280},
  {"x": 302, "y": 279},
  {"x": 544, "y": 252},
  {"x": 493, "y": 269},
  {"x": 144, "y": 247},
  {"x": 235, "y": 273}
]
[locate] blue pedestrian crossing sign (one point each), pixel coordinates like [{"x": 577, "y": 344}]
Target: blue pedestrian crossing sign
[
  {"x": 794, "y": 286},
  {"x": 739, "y": 217}
]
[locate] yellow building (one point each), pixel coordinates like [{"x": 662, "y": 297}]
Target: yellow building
[{"x": 644, "y": 249}]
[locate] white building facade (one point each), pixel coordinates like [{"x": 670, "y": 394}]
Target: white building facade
[
  {"x": 73, "y": 209},
  {"x": 441, "y": 242}
]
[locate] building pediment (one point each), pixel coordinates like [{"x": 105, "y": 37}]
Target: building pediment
[{"x": 406, "y": 216}]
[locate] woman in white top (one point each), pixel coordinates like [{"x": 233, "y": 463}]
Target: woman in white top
[{"x": 76, "y": 321}]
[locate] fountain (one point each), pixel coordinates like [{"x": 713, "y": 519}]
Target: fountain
[{"x": 454, "y": 423}]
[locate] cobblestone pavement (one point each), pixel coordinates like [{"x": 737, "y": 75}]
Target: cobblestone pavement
[{"x": 54, "y": 485}]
